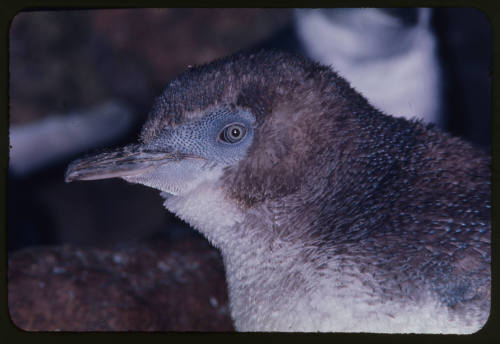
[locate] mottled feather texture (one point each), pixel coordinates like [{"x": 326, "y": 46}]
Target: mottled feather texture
[{"x": 379, "y": 218}]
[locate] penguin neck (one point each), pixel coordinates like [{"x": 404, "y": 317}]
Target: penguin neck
[{"x": 334, "y": 190}]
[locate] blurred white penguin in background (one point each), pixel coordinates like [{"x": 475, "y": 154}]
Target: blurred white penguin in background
[{"x": 389, "y": 55}]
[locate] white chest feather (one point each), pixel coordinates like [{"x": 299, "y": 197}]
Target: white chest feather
[{"x": 337, "y": 303}]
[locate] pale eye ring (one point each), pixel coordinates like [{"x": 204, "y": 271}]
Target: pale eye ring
[{"x": 233, "y": 133}]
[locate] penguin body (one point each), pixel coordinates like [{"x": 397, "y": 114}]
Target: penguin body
[{"x": 329, "y": 215}]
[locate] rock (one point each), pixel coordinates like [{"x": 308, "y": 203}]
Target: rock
[{"x": 178, "y": 286}]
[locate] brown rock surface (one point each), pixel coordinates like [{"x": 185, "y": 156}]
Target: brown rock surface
[{"x": 161, "y": 286}]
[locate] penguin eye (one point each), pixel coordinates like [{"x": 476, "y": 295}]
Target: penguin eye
[{"x": 233, "y": 133}]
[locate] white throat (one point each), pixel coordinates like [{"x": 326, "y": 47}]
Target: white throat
[{"x": 206, "y": 209}]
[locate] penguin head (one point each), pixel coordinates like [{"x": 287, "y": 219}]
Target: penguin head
[
  {"x": 178, "y": 158},
  {"x": 251, "y": 125}
]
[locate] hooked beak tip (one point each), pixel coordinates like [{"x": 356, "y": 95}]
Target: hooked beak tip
[
  {"x": 72, "y": 174},
  {"x": 69, "y": 176}
]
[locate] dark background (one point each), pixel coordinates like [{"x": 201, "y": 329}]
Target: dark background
[
  {"x": 61, "y": 61},
  {"x": 66, "y": 60}
]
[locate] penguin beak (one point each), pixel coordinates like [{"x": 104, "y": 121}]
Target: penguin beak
[{"x": 127, "y": 161}]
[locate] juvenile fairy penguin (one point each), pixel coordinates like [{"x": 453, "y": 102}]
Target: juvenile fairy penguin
[{"x": 329, "y": 215}]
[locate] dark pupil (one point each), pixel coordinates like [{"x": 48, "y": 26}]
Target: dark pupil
[
  {"x": 235, "y": 133},
  {"x": 232, "y": 133}
]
